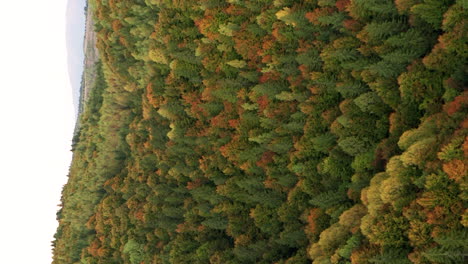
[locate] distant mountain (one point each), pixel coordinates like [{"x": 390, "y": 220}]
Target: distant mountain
[{"x": 75, "y": 30}]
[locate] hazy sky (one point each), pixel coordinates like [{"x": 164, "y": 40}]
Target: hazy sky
[
  {"x": 36, "y": 115},
  {"x": 75, "y": 30}
]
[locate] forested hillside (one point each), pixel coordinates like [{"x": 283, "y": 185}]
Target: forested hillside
[{"x": 272, "y": 131}]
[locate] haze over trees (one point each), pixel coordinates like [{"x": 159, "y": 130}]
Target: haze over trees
[{"x": 287, "y": 132}]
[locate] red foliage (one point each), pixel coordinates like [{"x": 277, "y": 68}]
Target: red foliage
[
  {"x": 342, "y": 4},
  {"x": 194, "y": 184},
  {"x": 266, "y": 58},
  {"x": 272, "y": 75},
  {"x": 262, "y": 102},
  {"x": 219, "y": 121},
  {"x": 140, "y": 214},
  {"x": 304, "y": 71},
  {"x": 234, "y": 123},
  {"x": 181, "y": 45}
]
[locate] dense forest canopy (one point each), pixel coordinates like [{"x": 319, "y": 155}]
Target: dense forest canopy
[{"x": 272, "y": 131}]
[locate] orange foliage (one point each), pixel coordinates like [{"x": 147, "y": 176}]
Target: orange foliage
[
  {"x": 304, "y": 46},
  {"x": 184, "y": 227},
  {"x": 317, "y": 13},
  {"x": 112, "y": 4},
  {"x": 362, "y": 254},
  {"x": 194, "y": 184},
  {"x": 282, "y": 110},
  {"x": 181, "y": 45},
  {"x": 394, "y": 122},
  {"x": 266, "y": 158},
  {"x": 295, "y": 80},
  {"x": 268, "y": 42},
  {"x": 242, "y": 240},
  {"x": 194, "y": 100},
  {"x": 352, "y": 25},
  {"x": 245, "y": 166},
  {"x": 219, "y": 121},
  {"x": 459, "y": 102},
  {"x": 234, "y": 10},
  {"x": 270, "y": 183},
  {"x": 330, "y": 115},
  {"x": 152, "y": 99},
  {"x": 204, "y": 163},
  {"x": 275, "y": 32},
  {"x": 205, "y": 26},
  {"x": 102, "y": 251},
  {"x": 314, "y": 214},
  {"x": 266, "y": 58},
  {"x": 93, "y": 249},
  {"x": 404, "y": 5},
  {"x": 229, "y": 150},
  {"x": 140, "y": 214},
  {"x": 456, "y": 169},
  {"x": 123, "y": 41},
  {"x": 116, "y": 25},
  {"x": 437, "y": 215},
  {"x": 304, "y": 71},
  {"x": 262, "y": 102},
  {"x": 234, "y": 123},
  {"x": 306, "y": 108},
  {"x": 247, "y": 45}
]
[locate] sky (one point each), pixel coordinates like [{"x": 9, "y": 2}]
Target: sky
[
  {"x": 75, "y": 29},
  {"x": 36, "y": 126}
]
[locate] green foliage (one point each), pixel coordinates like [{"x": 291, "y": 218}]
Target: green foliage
[
  {"x": 432, "y": 11},
  {"x": 270, "y": 132},
  {"x": 370, "y": 102},
  {"x": 134, "y": 251},
  {"x": 328, "y": 199},
  {"x": 354, "y": 145},
  {"x": 352, "y": 243}
]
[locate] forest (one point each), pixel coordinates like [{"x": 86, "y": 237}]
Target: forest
[{"x": 273, "y": 132}]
